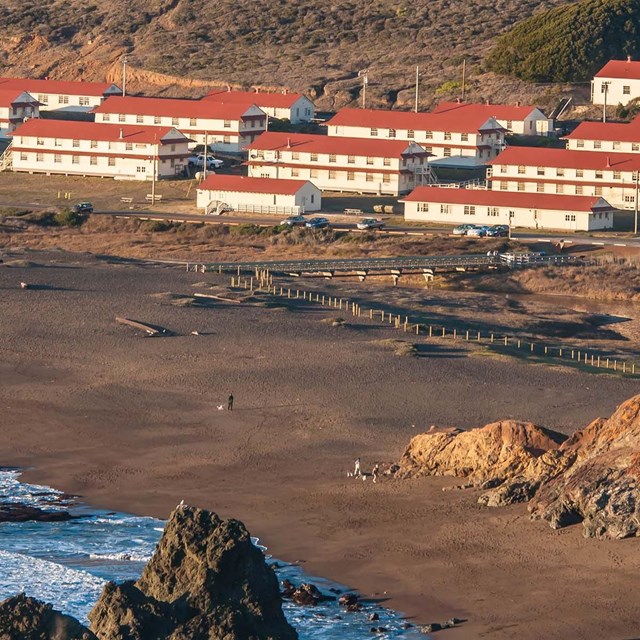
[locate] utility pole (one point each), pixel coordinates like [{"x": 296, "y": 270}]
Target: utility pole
[
  {"x": 635, "y": 207},
  {"x": 464, "y": 76},
  {"x": 364, "y": 74},
  {"x": 605, "y": 86},
  {"x": 417, "y": 86},
  {"x": 206, "y": 149},
  {"x": 156, "y": 151},
  {"x": 124, "y": 75}
]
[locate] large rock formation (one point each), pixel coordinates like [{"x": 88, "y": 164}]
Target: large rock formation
[
  {"x": 205, "y": 581},
  {"x": 592, "y": 477},
  {"x": 23, "y": 618}
]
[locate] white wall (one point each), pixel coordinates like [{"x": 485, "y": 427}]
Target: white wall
[
  {"x": 308, "y": 198},
  {"x": 620, "y": 91}
]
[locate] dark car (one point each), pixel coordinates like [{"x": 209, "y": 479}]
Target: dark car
[
  {"x": 317, "y": 223},
  {"x": 498, "y": 231},
  {"x": 82, "y": 207}
]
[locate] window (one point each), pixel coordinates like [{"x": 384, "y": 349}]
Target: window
[
  {"x": 422, "y": 207},
  {"x": 521, "y": 170},
  {"x": 227, "y": 124},
  {"x": 106, "y": 117},
  {"x": 23, "y": 156},
  {"x": 580, "y": 144},
  {"x": 428, "y": 135},
  {"x": 332, "y": 157},
  {"x": 141, "y": 169},
  {"x": 386, "y": 162},
  {"x": 94, "y": 144},
  {"x": 40, "y": 142},
  {"x": 122, "y": 117},
  {"x": 392, "y": 133},
  {"x": 597, "y": 144},
  {"x": 616, "y": 146},
  {"x": 504, "y": 186},
  {"x": 369, "y": 161},
  {"x": 447, "y": 135},
  {"x": 598, "y": 191},
  {"x": 429, "y": 149},
  {"x": 559, "y": 172},
  {"x": 579, "y": 190},
  {"x": 129, "y": 146},
  {"x": 603, "y": 87},
  {"x": 39, "y": 157},
  {"x": 226, "y": 139},
  {"x": 374, "y": 132},
  {"x": 540, "y": 187},
  {"x": 629, "y": 198},
  {"x": 570, "y": 217},
  {"x": 579, "y": 173},
  {"x": 57, "y": 143},
  {"x": 464, "y": 137},
  {"x": 411, "y": 134},
  {"x": 503, "y": 168},
  {"x": 521, "y": 186},
  {"x": 314, "y": 157},
  {"x": 112, "y": 162},
  {"x": 313, "y": 173},
  {"x": 93, "y": 160},
  {"x": 84, "y": 101},
  {"x": 386, "y": 178},
  {"x": 139, "y": 119},
  {"x": 635, "y": 146},
  {"x": 63, "y": 99},
  {"x": 43, "y": 97},
  {"x": 599, "y": 175},
  {"x": 446, "y": 152},
  {"x": 193, "y": 122},
  {"x": 493, "y": 211},
  {"x": 540, "y": 171},
  {"x": 351, "y": 175},
  {"x": 57, "y": 158},
  {"x": 332, "y": 174},
  {"x": 617, "y": 175},
  {"x": 626, "y": 90},
  {"x": 559, "y": 188},
  {"x": 75, "y": 144},
  {"x": 175, "y": 122},
  {"x": 295, "y": 155},
  {"x": 509, "y": 124},
  {"x": 469, "y": 210},
  {"x": 445, "y": 208},
  {"x": 351, "y": 159},
  {"x": 369, "y": 177}
]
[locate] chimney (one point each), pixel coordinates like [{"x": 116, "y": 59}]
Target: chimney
[
  {"x": 608, "y": 162},
  {"x": 121, "y": 133},
  {"x": 288, "y": 143},
  {"x": 628, "y": 58},
  {"x": 459, "y": 100},
  {"x": 487, "y": 102},
  {"x": 518, "y": 103},
  {"x": 229, "y": 88}
]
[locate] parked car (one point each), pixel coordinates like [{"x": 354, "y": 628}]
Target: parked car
[
  {"x": 82, "y": 207},
  {"x": 295, "y": 221},
  {"x": 317, "y": 223},
  {"x": 478, "y": 232},
  {"x": 498, "y": 231},
  {"x": 370, "y": 223},
  {"x": 198, "y": 162},
  {"x": 463, "y": 229}
]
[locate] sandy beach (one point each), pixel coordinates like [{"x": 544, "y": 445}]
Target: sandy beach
[{"x": 131, "y": 423}]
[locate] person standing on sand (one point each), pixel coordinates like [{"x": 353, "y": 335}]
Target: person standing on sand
[
  {"x": 230, "y": 402},
  {"x": 356, "y": 469},
  {"x": 375, "y": 471}
]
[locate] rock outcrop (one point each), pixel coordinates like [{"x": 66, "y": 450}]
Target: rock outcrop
[
  {"x": 24, "y": 618},
  {"x": 592, "y": 477},
  {"x": 205, "y": 581}
]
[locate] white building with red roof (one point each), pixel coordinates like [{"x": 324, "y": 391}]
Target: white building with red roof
[
  {"x": 294, "y": 107},
  {"x": 336, "y": 163},
  {"x": 484, "y": 206},
  {"x": 225, "y": 126},
  {"x": 62, "y": 95},
  {"x": 126, "y": 152},
  {"x": 15, "y": 106},
  {"x": 617, "y": 82},
  {"x": 623, "y": 137},
  {"x": 515, "y": 118},
  {"x": 219, "y": 193},
  {"x": 567, "y": 172},
  {"x": 451, "y": 139}
]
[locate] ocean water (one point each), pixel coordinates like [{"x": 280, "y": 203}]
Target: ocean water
[{"x": 67, "y": 564}]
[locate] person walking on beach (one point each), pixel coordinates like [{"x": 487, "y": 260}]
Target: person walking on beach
[
  {"x": 356, "y": 469},
  {"x": 230, "y": 402},
  {"x": 375, "y": 471}
]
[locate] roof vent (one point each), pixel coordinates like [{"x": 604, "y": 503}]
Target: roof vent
[
  {"x": 608, "y": 162},
  {"x": 628, "y": 58},
  {"x": 518, "y": 103},
  {"x": 288, "y": 143}
]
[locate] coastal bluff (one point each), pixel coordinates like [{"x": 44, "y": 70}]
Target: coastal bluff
[
  {"x": 205, "y": 579},
  {"x": 592, "y": 477}
]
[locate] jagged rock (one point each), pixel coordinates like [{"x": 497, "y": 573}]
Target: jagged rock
[
  {"x": 348, "y": 599},
  {"x": 24, "y": 618},
  {"x": 26, "y": 513},
  {"x": 205, "y": 581},
  {"x": 592, "y": 477}
]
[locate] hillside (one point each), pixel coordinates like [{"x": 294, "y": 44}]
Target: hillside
[
  {"x": 569, "y": 44},
  {"x": 184, "y": 46}
]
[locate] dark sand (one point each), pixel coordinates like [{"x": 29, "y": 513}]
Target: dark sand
[{"x": 131, "y": 423}]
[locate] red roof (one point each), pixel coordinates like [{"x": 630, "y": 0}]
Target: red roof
[
  {"x": 243, "y": 184},
  {"x": 70, "y": 129},
  {"x": 63, "y": 87},
  {"x": 620, "y": 69},
  {"x": 273, "y": 100},
  {"x": 486, "y": 111},
  {"x": 470, "y": 122},
  {"x": 568, "y": 158},
  {"x": 517, "y": 199},
  {"x": 310, "y": 143},
  {"x": 174, "y": 107},
  {"x": 614, "y": 131},
  {"x": 10, "y": 96}
]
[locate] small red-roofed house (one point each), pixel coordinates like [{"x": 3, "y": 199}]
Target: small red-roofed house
[
  {"x": 617, "y": 82},
  {"x": 294, "y": 107},
  {"x": 125, "y": 152},
  {"x": 335, "y": 163},
  {"x": 218, "y": 193},
  {"x": 487, "y": 207}
]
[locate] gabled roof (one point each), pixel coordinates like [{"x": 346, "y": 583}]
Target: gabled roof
[
  {"x": 568, "y": 159},
  {"x": 480, "y": 110},
  {"x": 69, "y": 129},
  {"x": 614, "y": 131},
  {"x": 420, "y": 121},
  {"x": 517, "y": 199},
  {"x": 622, "y": 69},
  {"x": 262, "y": 99},
  {"x": 64, "y": 87},
  {"x": 310, "y": 143},
  {"x": 11, "y": 96},
  {"x": 177, "y": 108},
  {"x": 243, "y": 184}
]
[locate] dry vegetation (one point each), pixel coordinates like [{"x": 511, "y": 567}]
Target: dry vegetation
[{"x": 183, "y": 46}]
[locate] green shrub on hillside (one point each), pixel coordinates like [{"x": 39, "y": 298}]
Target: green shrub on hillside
[{"x": 569, "y": 44}]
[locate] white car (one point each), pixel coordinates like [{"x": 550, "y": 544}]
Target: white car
[
  {"x": 370, "y": 223},
  {"x": 294, "y": 221},
  {"x": 198, "y": 162},
  {"x": 478, "y": 232}
]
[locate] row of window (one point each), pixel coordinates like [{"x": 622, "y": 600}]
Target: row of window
[
  {"x": 93, "y": 160},
  {"x": 93, "y": 144},
  {"x": 175, "y": 122},
  {"x": 562, "y": 189},
  {"x": 333, "y": 175},
  {"x": 560, "y": 172},
  {"x": 411, "y": 134},
  {"x": 615, "y": 145},
  {"x": 83, "y": 101}
]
